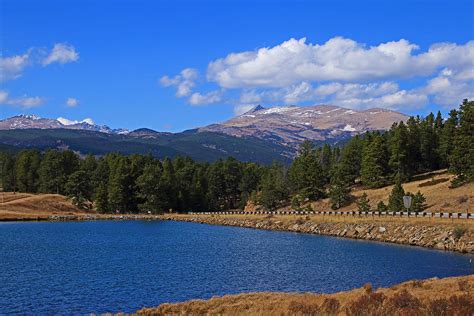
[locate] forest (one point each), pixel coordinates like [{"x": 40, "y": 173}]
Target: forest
[{"x": 140, "y": 183}]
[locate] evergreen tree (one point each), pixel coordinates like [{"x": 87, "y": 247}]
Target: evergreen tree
[
  {"x": 381, "y": 207},
  {"x": 119, "y": 186},
  {"x": 26, "y": 171},
  {"x": 78, "y": 188},
  {"x": 400, "y": 156},
  {"x": 350, "y": 161},
  {"x": 363, "y": 203},
  {"x": 339, "y": 191},
  {"x": 446, "y": 142},
  {"x": 462, "y": 157},
  {"x": 373, "y": 167},
  {"x": 306, "y": 174},
  {"x": 418, "y": 202},
  {"x": 101, "y": 199},
  {"x": 274, "y": 187},
  {"x": 148, "y": 184},
  {"x": 7, "y": 172},
  {"x": 395, "y": 200}
]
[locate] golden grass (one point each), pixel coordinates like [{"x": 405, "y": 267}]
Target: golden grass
[
  {"x": 23, "y": 206},
  {"x": 409, "y": 298},
  {"x": 439, "y": 196}
]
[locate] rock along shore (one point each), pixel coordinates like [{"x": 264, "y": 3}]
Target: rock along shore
[{"x": 438, "y": 236}]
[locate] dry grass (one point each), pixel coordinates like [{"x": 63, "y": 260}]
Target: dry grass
[
  {"x": 439, "y": 195},
  {"x": 23, "y": 206},
  {"x": 429, "y": 297}
]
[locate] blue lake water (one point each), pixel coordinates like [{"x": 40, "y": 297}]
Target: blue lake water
[{"x": 105, "y": 266}]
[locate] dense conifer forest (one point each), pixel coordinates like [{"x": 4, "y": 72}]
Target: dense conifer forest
[{"x": 140, "y": 183}]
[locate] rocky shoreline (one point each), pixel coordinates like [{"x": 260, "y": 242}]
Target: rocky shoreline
[{"x": 437, "y": 236}]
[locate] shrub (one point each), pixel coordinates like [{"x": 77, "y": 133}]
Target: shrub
[
  {"x": 303, "y": 308},
  {"x": 459, "y": 232},
  {"x": 330, "y": 306},
  {"x": 300, "y": 221},
  {"x": 417, "y": 283},
  {"x": 462, "y": 199},
  {"x": 438, "y": 307},
  {"x": 464, "y": 285},
  {"x": 461, "y": 305},
  {"x": 368, "y": 288},
  {"x": 371, "y": 304},
  {"x": 404, "y": 303}
]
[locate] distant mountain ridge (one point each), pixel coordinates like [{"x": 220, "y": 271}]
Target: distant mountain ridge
[
  {"x": 36, "y": 122},
  {"x": 291, "y": 125},
  {"x": 259, "y": 135}
]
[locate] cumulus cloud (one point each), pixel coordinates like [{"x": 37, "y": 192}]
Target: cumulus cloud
[
  {"x": 72, "y": 102},
  {"x": 23, "y": 101},
  {"x": 204, "y": 99},
  {"x": 184, "y": 82},
  {"x": 340, "y": 71},
  {"x": 12, "y": 67},
  {"x": 339, "y": 59},
  {"x": 61, "y": 53}
]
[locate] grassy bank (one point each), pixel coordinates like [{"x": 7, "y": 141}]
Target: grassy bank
[{"x": 449, "y": 296}]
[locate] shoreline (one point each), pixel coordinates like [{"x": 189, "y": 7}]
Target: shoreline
[{"x": 440, "y": 236}]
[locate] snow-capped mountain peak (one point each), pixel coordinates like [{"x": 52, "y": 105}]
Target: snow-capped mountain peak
[{"x": 67, "y": 122}]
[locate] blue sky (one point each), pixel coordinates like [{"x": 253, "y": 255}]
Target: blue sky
[{"x": 175, "y": 65}]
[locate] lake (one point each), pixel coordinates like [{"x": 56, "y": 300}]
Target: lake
[{"x": 111, "y": 266}]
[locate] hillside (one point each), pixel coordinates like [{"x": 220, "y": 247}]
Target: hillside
[
  {"x": 435, "y": 186},
  {"x": 199, "y": 146},
  {"x": 24, "y": 206},
  {"x": 448, "y": 296}
]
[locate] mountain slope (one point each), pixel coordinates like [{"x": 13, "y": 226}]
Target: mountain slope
[
  {"x": 200, "y": 146},
  {"x": 291, "y": 125}
]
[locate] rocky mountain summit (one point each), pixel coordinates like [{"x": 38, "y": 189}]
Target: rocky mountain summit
[
  {"x": 291, "y": 125},
  {"x": 36, "y": 122}
]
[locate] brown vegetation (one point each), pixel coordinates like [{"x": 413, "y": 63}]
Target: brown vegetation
[
  {"x": 429, "y": 297},
  {"x": 24, "y": 206},
  {"x": 439, "y": 195}
]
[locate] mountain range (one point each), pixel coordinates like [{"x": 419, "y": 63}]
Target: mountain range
[{"x": 259, "y": 135}]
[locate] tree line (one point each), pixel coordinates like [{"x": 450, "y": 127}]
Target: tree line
[{"x": 141, "y": 183}]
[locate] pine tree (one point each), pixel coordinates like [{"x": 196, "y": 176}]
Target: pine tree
[
  {"x": 339, "y": 191},
  {"x": 462, "y": 157},
  {"x": 101, "y": 199},
  {"x": 274, "y": 187},
  {"x": 306, "y": 174},
  {"x": 350, "y": 161},
  {"x": 26, "y": 171},
  {"x": 363, "y": 203},
  {"x": 381, "y": 207},
  {"x": 78, "y": 188},
  {"x": 373, "y": 166},
  {"x": 395, "y": 200},
  {"x": 418, "y": 202},
  {"x": 149, "y": 189},
  {"x": 400, "y": 156},
  {"x": 446, "y": 142}
]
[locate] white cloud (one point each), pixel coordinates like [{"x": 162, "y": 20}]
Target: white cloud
[
  {"x": 12, "y": 67},
  {"x": 207, "y": 98},
  {"x": 339, "y": 59},
  {"x": 72, "y": 102},
  {"x": 184, "y": 82},
  {"x": 450, "y": 87},
  {"x": 23, "y": 101},
  {"x": 61, "y": 53}
]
